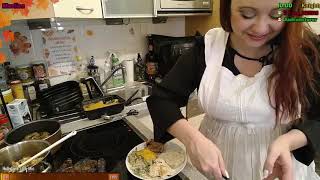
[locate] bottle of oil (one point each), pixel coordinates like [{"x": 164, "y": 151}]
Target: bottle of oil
[
  {"x": 151, "y": 62},
  {"x": 139, "y": 69}
]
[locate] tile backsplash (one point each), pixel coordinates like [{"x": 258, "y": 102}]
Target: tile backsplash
[{"x": 95, "y": 38}]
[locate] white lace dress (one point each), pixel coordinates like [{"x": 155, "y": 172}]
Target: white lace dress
[{"x": 239, "y": 118}]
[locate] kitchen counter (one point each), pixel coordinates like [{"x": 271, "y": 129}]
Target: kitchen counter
[{"x": 143, "y": 126}]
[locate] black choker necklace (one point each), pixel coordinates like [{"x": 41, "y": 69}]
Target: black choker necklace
[{"x": 262, "y": 59}]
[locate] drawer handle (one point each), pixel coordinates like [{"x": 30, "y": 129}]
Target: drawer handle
[{"x": 85, "y": 9}]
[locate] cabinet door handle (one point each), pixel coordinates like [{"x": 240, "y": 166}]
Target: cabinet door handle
[{"x": 84, "y": 9}]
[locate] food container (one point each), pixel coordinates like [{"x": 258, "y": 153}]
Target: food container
[
  {"x": 19, "y": 112},
  {"x": 17, "y": 89},
  {"x": 108, "y": 105},
  {"x": 20, "y": 150},
  {"x": 29, "y": 92},
  {"x": 4, "y": 128},
  {"x": 7, "y": 95},
  {"x": 25, "y": 73},
  {"x": 52, "y": 127},
  {"x": 4, "y": 124}
]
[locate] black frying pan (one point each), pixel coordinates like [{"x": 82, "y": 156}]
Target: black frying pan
[{"x": 53, "y": 127}]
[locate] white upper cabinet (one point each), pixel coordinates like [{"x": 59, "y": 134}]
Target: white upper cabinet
[{"x": 78, "y": 9}]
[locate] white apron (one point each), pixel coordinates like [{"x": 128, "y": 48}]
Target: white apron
[{"x": 239, "y": 118}]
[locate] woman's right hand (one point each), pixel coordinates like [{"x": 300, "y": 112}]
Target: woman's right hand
[
  {"x": 206, "y": 157},
  {"x": 203, "y": 153}
]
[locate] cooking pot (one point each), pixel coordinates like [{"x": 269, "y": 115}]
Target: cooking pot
[
  {"x": 16, "y": 152},
  {"x": 53, "y": 127}
]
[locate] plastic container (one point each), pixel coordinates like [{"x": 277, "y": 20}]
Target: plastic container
[{"x": 19, "y": 112}]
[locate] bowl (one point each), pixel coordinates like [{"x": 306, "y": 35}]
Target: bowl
[{"x": 16, "y": 152}]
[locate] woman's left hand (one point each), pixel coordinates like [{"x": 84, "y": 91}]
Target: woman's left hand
[{"x": 279, "y": 162}]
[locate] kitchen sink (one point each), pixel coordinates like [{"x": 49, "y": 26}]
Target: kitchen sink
[{"x": 144, "y": 90}]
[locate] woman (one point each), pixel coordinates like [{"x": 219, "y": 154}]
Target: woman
[{"x": 258, "y": 84}]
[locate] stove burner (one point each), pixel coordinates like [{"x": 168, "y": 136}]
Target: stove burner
[
  {"x": 109, "y": 142},
  {"x": 103, "y": 144}
]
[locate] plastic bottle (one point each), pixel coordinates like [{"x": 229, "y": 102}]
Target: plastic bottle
[{"x": 118, "y": 77}]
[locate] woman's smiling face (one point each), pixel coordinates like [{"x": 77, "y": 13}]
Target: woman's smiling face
[{"x": 255, "y": 22}]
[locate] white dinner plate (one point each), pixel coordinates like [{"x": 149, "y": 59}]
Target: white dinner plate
[{"x": 168, "y": 145}]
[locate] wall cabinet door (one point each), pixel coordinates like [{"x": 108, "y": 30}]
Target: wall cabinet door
[
  {"x": 78, "y": 9},
  {"x": 64, "y": 8},
  {"x": 128, "y": 8},
  {"x": 88, "y": 9}
]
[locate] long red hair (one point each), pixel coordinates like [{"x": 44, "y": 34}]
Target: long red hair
[{"x": 296, "y": 62}]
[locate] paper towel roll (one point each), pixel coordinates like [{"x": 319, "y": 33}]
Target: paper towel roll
[{"x": 129, "y": 64}]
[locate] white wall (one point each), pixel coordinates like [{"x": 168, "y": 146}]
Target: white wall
[{"x": 128, "y": 40}]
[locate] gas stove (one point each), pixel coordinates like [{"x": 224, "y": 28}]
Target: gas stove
[{"x": 111, "y": 141}]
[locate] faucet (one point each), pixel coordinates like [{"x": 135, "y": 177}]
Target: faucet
[
  {"x": 119, "y": 67},
  {"x": 94, "y": 90}
]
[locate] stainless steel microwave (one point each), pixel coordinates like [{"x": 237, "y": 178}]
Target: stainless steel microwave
[{"x": 183, "y": 7}]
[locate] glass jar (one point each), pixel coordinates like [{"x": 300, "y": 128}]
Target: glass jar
[{"x": 17, "y": 89}]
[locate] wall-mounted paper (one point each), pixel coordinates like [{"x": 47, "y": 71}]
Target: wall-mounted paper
[{"x": 60, "y": 51}]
